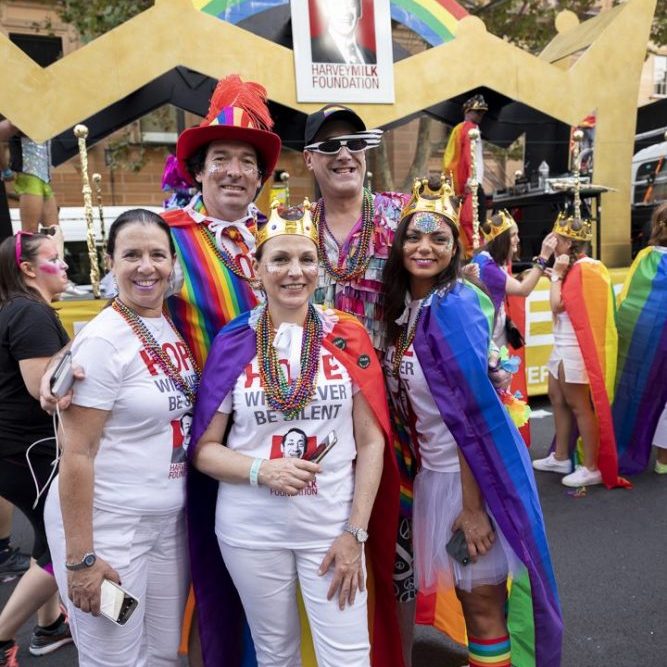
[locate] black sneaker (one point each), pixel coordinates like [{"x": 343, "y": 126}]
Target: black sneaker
[
  {"x": 15, "y": 564},
  {"x": 46, "y": 641}
]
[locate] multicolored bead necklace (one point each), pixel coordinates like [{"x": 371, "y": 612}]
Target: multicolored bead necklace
[
  {"x": 221, "y": 253},
  {"x": 407, "y": 336},
  {"x": 355, "y": 264},
  {"x": 155, "y": 351},
  {"x": 289, "y": 397}
]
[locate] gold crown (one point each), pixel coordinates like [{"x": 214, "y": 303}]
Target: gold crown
[
  {"x": 294, "y": 220},
  {"x": 578, "y": 229},
  {"x": 426, "y": 200},
  {"x": 496, "y": 225}
]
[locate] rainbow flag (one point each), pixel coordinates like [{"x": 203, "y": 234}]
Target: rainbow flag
[
  {"x": 211, "y": 294},
  {"x": 451, "y": 343},
  {"x": 641, "y": 387},
  {"x": 588, "y": 299},
  {"x": 221, "y": 618}
]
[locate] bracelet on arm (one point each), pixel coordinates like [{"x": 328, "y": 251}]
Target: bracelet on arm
[
  {"x": 253, "y": 476},
  {"x": 540, "y": 263}
]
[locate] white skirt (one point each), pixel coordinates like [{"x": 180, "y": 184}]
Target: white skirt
[
  {"x": 437, "y": 503},
  {"x": 574, "y": 368},
  {"x": 660, "y": 437}
]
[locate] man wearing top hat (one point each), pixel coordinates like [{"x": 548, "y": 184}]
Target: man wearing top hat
[{"x": 457, "y": 162}]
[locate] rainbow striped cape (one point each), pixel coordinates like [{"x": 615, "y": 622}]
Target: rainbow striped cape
[
  {"x": 588, "y": 298},
  {"x": 641, "y": 386},
  {"x": 221, "y": 618},
  {"x": 451, "y": 343},
  {"x": 211, "y": 294}
]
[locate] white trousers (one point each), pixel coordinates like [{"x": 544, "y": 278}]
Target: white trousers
[
  {"x": 149, "y": 553},
  {"x": 267, "y": 584}
]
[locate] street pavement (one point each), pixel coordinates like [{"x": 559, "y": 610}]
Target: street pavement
[{"x": 608, "y": 549}]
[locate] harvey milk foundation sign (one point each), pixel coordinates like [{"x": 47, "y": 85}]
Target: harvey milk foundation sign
[{"x": 343, "y": 51}]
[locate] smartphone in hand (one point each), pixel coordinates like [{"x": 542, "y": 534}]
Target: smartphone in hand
[
  {"x": 63, "y": 376},
  {"x": 324, "y": 448},
  {"x": 116, "y": 603}
]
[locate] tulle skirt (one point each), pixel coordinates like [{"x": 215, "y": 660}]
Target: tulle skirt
[{"x": 437, "y": 503}]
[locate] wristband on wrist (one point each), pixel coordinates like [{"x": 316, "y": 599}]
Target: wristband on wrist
[
  {"x": 6, "y": 173},
  {"x": 540, "y": 263},
  {"x": 253, "y": 476}
]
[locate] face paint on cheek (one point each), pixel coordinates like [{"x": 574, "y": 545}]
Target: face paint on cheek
[
  {"x": 215, "y": 168},
  {"x": 309, "y": 269},
  {"x": 52, "y": 269}
]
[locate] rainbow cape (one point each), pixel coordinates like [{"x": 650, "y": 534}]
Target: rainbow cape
[
  {"x": 221, "y": 619},
  {"x": 588, "y": 298},
  {"x": 457, "y": 161},
  {"x": 495, "y": 281},
  {"x": 641, "y": 386},
  {"x": 211, "y": 294},
  {"x": 451, "y": 343}
]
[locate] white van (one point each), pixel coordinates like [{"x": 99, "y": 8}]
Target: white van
[{"x": 73, "y": 224}]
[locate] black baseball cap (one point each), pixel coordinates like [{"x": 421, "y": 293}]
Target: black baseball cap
[{"x": 317, "y": 120}]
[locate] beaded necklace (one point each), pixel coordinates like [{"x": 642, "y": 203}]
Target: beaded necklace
[
  {"x": 155, "y": 351},
  {"x": 356, "y": 263},
  {"x": 289, "y": 397},
  {"x": 221, "y": 253},
  {"x": 406, "y": 336}
]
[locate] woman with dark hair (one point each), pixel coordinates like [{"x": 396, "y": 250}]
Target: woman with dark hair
[
  {"x": 117, "y": 512},
  {"x": 640, "y": 402},
  {"x": 501, "y": 236},
  {"x": 583, "y": 360},
  {"x": 32, "y": 275},
  {"x": 467, "y": 534}
]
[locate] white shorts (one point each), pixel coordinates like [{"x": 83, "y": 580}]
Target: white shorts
[{"x": 574, "y": 368}]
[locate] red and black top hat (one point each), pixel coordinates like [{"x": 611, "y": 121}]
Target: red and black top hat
[{"x": 237, "y": 112}]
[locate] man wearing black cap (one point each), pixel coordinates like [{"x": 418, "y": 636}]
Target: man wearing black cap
[
  {"x": 356, "y": 229},
  {"x": 457, "y": 162},
  {"x": 356, "y": 226}
]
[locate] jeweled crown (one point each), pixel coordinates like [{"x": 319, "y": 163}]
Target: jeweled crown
[
  {"x": 576, "y": 228},
  {"x": 292, "y": 220},
  {"x": 496, "y": 225},
  {"x": 428, "y": 200}
]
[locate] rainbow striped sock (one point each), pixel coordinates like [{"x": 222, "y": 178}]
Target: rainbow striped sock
[{"x": 489, "y": 652}]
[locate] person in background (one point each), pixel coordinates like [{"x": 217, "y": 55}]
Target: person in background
[
  {"x": 281, "y": 519},
  {"x": 30, "y": 171},
  {"x": 457, "y": 161},
  {"x": 32, "y": 276},
  {"x": 117, "y": 511},
  {"x": 582, "y": 362},
  {"x": 13, "y": 563},
  {"x": 640, "y": 401},
  {"x": 438, "y": 369}
]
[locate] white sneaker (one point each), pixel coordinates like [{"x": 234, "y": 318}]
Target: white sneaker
[
  {"x": 552, "y": 464},
  {"x": 582, "y": 476}
]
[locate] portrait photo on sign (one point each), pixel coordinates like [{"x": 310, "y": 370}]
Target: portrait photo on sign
[{"x": 343, "y": 50}]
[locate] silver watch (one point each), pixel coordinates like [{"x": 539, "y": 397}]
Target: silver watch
[{"x": 360, "y": 534}]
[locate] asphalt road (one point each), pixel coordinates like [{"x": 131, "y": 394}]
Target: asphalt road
[{"x": 608, "y": 549}]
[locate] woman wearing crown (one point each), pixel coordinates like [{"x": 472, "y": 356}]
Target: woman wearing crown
[
  {"x": 474, "y": 494},
  {"x": 282, "y": 384},
  {"x": 583, "y": 360},
  {"x": 501, "y": 236}
]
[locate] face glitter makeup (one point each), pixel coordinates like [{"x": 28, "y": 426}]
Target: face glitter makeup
[{"x": 425, "y": 222}]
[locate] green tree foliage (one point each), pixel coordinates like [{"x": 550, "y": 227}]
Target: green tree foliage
[{"x": 95, "y": 17}]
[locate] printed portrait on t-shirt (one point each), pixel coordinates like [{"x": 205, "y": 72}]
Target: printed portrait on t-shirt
[
  {"x": 293, "y": 444},
  {"x": 180, "y": 429}
]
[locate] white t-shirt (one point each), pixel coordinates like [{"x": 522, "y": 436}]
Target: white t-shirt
[
  {"x": 260, "y": 517},
  {"x": 140, "y": 464},
  {"x": 437, "y": 448}
]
